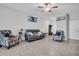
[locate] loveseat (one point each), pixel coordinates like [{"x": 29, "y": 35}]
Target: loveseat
[{"x": 33, "y": 34}]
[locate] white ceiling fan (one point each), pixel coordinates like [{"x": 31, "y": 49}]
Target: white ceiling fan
[{"x": 47, "y": 7}]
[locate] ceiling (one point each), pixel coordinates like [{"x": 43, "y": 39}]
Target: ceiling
[{"x": 31, "y": 9}]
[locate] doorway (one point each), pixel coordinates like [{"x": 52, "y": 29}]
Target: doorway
[{"x": 50, "y": 30}]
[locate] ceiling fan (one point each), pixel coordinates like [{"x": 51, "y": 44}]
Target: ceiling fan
[{"x": 47, "y": 7}]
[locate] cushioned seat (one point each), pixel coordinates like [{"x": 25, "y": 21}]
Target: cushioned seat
[
  {"x": 7, "y": 39},
  {"x": 32, "y": 35},
  {"x": 59, "y": 36}
]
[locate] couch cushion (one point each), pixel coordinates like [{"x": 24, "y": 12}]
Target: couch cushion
[
  {"x": 30, "y": 33},
  {"x": 39, "y": 33}
]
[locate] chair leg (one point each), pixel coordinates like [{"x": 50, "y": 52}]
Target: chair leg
[
  {"x": 0, "y": 45},
  {"x": 8, "y": 47}
]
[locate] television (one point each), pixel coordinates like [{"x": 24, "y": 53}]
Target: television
[
  {"x": 32, "y": 19},
  {"x": 60, "y": 18}
]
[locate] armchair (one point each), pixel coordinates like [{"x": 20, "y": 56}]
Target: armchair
[
  {"x": 7, "y": 39},
  {"x": 59, "y": 36}
]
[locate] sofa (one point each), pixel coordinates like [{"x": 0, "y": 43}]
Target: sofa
[{"x": 33, "y": 34}]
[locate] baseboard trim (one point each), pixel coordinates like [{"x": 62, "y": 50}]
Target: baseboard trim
[{"x": 73, "y": 39}]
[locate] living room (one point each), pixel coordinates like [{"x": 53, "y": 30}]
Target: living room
[{"x": 14, "y": 17}]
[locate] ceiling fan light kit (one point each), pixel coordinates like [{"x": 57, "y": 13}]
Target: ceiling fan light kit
[{"x": 47, "y": 7}]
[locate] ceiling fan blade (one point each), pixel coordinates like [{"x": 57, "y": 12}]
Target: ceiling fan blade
[
  {"x": 55, "y": 7},
  {"x": 40, "y": 7}
]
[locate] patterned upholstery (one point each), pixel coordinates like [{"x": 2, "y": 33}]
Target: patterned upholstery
[
  {"x": 59, "y": 36},
  {"x": 7, "y": 39},
  {"x": 4, "y": 39}
]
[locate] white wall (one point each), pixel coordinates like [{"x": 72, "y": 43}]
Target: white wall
[
  {"x": 44, "y": 25},
  {"x": 13, "y": 20},
  {"x": 74, "y": 29}
]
